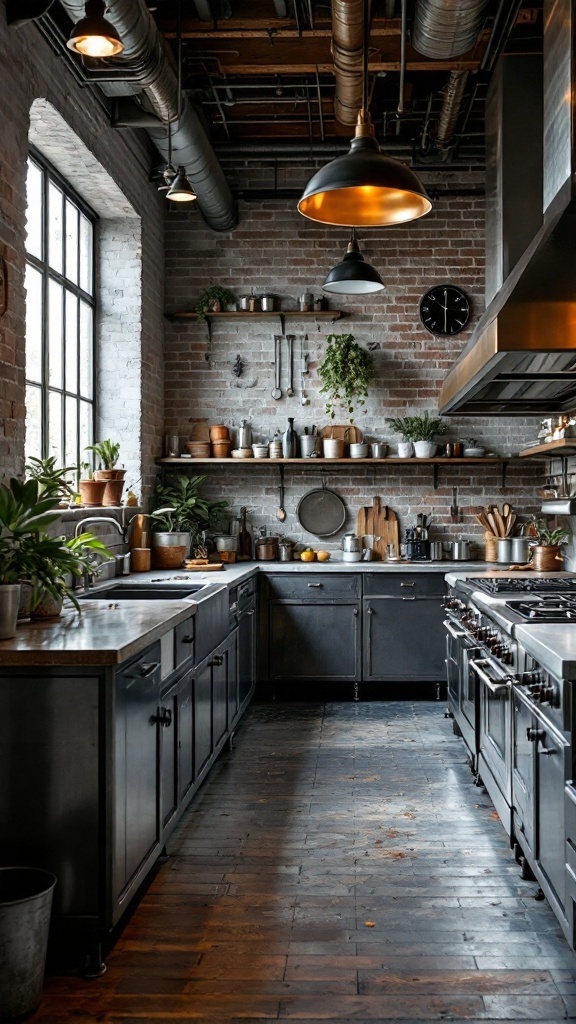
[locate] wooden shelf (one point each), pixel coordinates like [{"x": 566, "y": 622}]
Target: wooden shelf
[
  {"x": 562, "y": 448},
  {"x": 326, "y": 315},
  {"x": 436, "y": 462}
]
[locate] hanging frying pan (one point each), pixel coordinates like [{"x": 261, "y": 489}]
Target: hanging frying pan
[{"x": 321, "y": 512}]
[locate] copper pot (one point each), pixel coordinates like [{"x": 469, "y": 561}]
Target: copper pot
[{"x": 266, "y": 549}]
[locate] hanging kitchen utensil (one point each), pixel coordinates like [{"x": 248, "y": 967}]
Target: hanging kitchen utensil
[
  {"x": 321, "y": 512},
  {"x": 281, "y": 511},
  {"x": 277, "y": 392},
  {"x": 290, "y": 389}
]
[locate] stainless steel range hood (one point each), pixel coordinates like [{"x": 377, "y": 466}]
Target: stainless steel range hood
[{"x": 521, "y": 358}]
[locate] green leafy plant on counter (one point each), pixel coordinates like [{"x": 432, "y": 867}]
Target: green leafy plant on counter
[
  {"x": 106, "y": 452},
  {"x": 423, "y": 427},
  {"x": 52, "y": 480},
  {"x": 178, "y": 506},
  {"x": 548, "y": 536},
  {"x": 28, "y": 554},
  {"x": 345, "y": 372},
  {"x": 214, "y": 294}
]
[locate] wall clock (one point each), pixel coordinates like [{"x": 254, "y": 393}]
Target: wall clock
[{"x": 444, "y": 309}]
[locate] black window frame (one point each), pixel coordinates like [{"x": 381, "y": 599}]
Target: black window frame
[{"x": 51, "y": 175}]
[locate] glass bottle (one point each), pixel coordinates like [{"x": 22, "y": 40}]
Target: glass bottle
[
  {"x": 289, "y": 440},
  {"x": 244, "y": 538}
]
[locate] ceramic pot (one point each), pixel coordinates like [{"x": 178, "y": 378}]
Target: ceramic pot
[
  {"x": 424, "y": 449},
  {"x": 547, "y": 559},
  {"x": 9, "y": 601},
  {"x": 333, "y": 448},
  {"x": 92, "y": 492},
  {"x": 114, "y": 485},
  {"x": 405, "y": 449},
  {"x": 219, "y": 432},
  {"x": 358, "y": 451},
  {"x": 169, "y": 549},
  {"x": 48, "y": 606}
]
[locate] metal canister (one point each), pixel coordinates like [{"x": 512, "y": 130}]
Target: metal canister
[
  {"x": 275, "y": 449},
  {"x": 285, "y": 550}
]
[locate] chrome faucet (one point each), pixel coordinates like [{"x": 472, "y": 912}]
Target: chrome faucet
[{"x": 87, "y": 577}]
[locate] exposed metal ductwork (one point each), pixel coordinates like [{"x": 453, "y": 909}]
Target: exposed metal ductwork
[
  {"x": 452, "y": 102},
  {"x": 347, "y": 52},
  {"x": 447, "y": 28},
  {"x": 148, "y": 55}
]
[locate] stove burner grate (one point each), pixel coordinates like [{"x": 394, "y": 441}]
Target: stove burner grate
[
  {"x": 514, "y": 585},
  {"x": 547, "y": 609}
]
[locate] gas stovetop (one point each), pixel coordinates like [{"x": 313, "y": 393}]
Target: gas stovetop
[
  {"x": 514, "y": 585},
  {"x": 551, "y": 608}
]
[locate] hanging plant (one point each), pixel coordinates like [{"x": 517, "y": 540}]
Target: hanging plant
[{"x": 346, "y": 371}]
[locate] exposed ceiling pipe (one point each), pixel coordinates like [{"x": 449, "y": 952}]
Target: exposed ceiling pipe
[
  {"x": 147, "y": 52},
  {"x": 453, "y": 95},
  {"x": 347, "y": 53},
  {"x": 447, "y": 28}
]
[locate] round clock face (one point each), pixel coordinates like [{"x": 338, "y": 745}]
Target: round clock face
[{"x": 444, "y": 309}]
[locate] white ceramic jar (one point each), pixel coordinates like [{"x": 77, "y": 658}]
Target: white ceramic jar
[{"x": 358, "y": 451}]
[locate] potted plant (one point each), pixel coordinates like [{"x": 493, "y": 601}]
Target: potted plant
[
  {"x": 345, "y": 372},
  {"x": 420, "y": 430},
  {"x": 91, "y": 490},
  {"x": 29, "y": 555},
  {"x": 107, "y": 453},
  {"x": 52, "y": 480},
  {"x": 178, "y": 517},
  {"x": 213, "y": 300},
  {"x": 547, "y": 553}
]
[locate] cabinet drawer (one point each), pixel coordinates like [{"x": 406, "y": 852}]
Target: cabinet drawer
[
  {"x": 246, "y": 592},
  {"x": 404, "y": 584},
  {"x": 314, "y": 586},
  {"x": 184, "y": 641}
]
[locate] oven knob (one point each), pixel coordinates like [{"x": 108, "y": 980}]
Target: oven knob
[
  {"x": 533, "y": 678},
  {"x": 492, "y": 641},
  {"x": 549, "y": 696},
  {"x": 506, "y": 655}
]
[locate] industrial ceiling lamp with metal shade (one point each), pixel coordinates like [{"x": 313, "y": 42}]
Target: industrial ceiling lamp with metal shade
[
  {"x": 93, "y": 36},
  {"x": 364, "y": 188},
  {"x": 180, "y": 190},
  {"x": 353, "y": 276}
]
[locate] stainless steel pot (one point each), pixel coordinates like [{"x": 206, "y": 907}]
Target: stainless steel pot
[
  {"x": 460, "y": 550},
  {"x": 436, "y": 552},
  {"x": 286, "y": 550},
  {"x": 268, "y": 303},
  {"x": 350, "y": 542},
  {"x": 244, "y": 301},
  {"x": 266, "y": 549}
]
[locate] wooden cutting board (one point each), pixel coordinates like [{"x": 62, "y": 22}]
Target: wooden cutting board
[
  {"x": 192, "y": 566},
  {"x": 348, "y": 432},
  {"x": 382, "y": 522}
]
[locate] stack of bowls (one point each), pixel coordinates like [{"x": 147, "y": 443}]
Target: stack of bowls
[
  {"x": 260, "y": 451},
  {"x": 242, "y": 453},
  {"x": 220, "y": 443},
  {"x": 199, "y": 449}
]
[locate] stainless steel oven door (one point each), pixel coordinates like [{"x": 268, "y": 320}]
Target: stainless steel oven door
[
  {"x": 462, "y": 684},
  {"x": 495, "y": 735}
]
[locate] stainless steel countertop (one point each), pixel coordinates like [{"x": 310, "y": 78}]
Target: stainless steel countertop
[{"x": 553, "y": 644}]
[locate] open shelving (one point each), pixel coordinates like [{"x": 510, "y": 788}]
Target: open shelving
[{"x": 320, "y": 315}]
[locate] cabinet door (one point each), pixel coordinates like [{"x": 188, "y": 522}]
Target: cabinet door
[
  {"x": 313, "y": 641},
  {"x": 169, "y": 725},
  {"x": 136, "y": 804},
  {"x": 550, "y": 815},
  {"x": 202, "y": 717},
  {"x": 233, "y": 677},
  {"x": 246, "y": 653},
  {"x": 185, "y": 726},
  {"x": 404, "y": 639},
  {"x": 219, "y": 664}
]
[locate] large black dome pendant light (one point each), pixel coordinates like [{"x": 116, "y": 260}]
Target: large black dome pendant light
[
  {"x": 353, "y": 276},
  {"x": 364, "y": 188},
  {"x": 180, "y": 190}
]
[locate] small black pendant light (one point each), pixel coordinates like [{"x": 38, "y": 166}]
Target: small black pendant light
[
  {"x": 364, "y": 188},
  {"x": 353, "y": 276},
  {"x": 93, "y": 35},
  {"x": 180, "y": 190}
]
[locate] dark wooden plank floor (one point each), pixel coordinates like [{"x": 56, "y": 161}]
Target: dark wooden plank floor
[{"x": 338, "y": 865}]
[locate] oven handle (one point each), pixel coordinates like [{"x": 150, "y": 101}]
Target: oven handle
[
  {"x": 490, "y": 684},
  {"x": 455, "y": 633}
]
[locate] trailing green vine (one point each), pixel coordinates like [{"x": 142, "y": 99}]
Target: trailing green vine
[{"x": 345, "y": 372}]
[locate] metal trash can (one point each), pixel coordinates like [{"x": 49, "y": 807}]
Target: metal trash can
[{"x": 25, "y": 903}]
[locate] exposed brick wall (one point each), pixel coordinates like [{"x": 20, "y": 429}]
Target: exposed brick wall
[
  {"x": 275, "y": 249},
  {"x": 30, "y": 70}
]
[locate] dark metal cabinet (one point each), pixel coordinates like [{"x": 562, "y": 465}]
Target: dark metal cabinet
[
  {"x": 246, "y": 653},
  {"x": 137, "y": 826},
  {"x": 202, "y": 717},
  {"x": 403, "y": 628},
  {"x": 211, "y": 681},
  {"x": 313, "y": 628}
]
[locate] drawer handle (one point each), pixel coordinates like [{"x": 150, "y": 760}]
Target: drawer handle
[
  {"x": 251, "y": 612},
  {"x": 217, "y": 660},
  {"x": 164, "y": 717},
  {"x": 318, "y": 585},
  {"x": 147, "y": 668},
  {"x": 408, "y": 584},
  {"x": 187, "y": 640},
  {"x": 535, "y": 734},
  {"x": 409, "y": 599}
]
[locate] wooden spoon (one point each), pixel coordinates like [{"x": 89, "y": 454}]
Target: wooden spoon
[
  {"x": 500, "y": 525},
  {"x": 510, "y": 523},
  {"x": 492, "y": 523}
]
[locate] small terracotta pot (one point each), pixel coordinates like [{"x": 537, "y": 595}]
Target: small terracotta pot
[
  {"x": 92, "y": 492},
  {"x": 113, "y": 493},
  {"x": 219, "y": 432},
  {"x": 109, "y": 474},
  {"x": 221, "y": 449},
  {"x": 547, "y": 559}
]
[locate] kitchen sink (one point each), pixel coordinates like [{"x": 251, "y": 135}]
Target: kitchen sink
[{"x": 142, "y": 592}]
